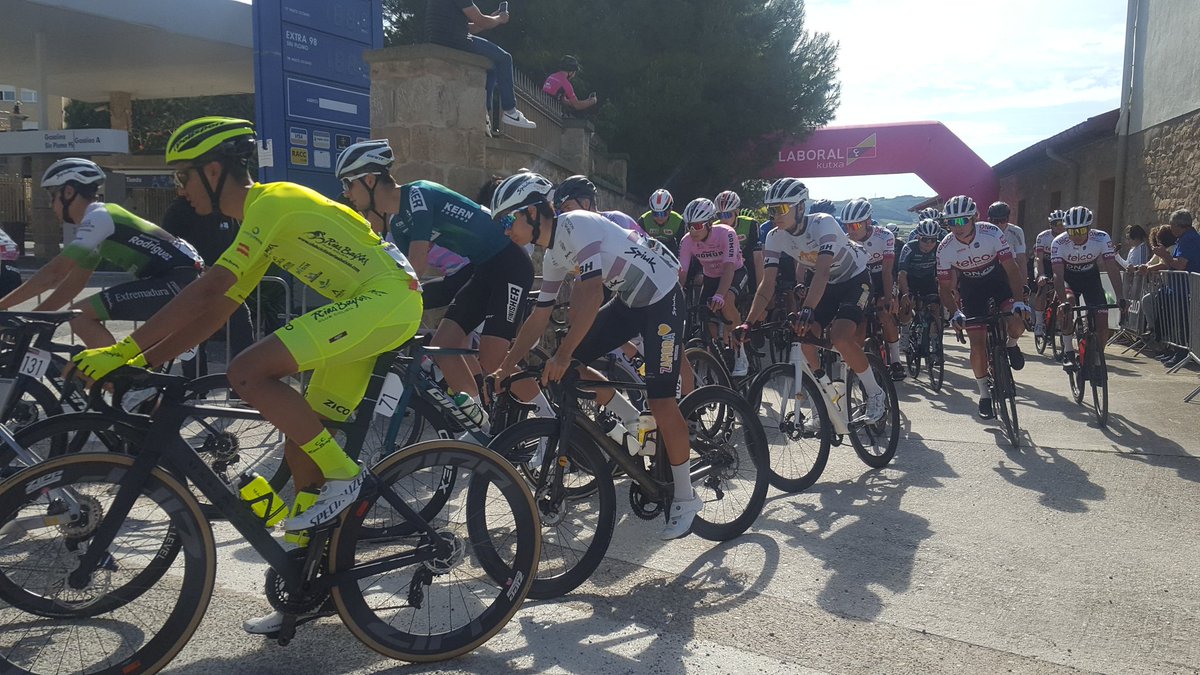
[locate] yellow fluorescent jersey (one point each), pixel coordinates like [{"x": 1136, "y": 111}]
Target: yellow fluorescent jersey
[{"x": 325, "y": 245}]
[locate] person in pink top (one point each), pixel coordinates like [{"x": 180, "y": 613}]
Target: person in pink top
[
  {"x": 716, "y": 248},
  {"x": 558, "y": 85}
]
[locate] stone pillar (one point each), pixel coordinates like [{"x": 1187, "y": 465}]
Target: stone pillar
[
  {"x": 120, "y": 110},
  {"x": 428, "y": 101},
  {"x": 577, "y": 144}
]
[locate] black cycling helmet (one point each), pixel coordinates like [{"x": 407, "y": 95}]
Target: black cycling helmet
[
  {"x": 574, "y": 187},
  {"x": 569, "y": 63},
  {"x": 998, "y": 210},
  {"x": 823, "y": 206}
]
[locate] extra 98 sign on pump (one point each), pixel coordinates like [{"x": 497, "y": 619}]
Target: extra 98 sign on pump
[{"x": 313, "y": 89}]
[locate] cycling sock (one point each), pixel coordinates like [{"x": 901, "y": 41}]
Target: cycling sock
[
  {"x": 543, "y": 406},
  {"x": 894, "y": 351},
  {"x": 870, "y": 384},
  {"x": 682, "y": 475},
  {"x": 1038, "y": 319},
  {"x": 982, "y": 383},
  {"x": 1012, "y": 342},
  {"x": 330, "y": 458},
  {"x": 1069, "y": 342},
  {"x": 622, "y": 408}
]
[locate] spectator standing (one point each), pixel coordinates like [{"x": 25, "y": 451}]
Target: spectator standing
[
  {"x": 1139, "y": 251},
  {"x": 1186, "y": 255},
  {"x": 456, "y": 24},
  {"x": 210, "y": 235},
  {"x": 558, "y": 85}
]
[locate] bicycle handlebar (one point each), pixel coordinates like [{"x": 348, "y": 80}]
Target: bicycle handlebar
[{"x": 1088, "y": 308}]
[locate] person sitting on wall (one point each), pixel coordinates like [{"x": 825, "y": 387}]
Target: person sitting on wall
[{"x": 558, "y": 85}]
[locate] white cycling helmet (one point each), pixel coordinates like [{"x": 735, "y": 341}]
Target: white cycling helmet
[
  {"x": 1078, "y": 216},
  {"x": 929, "y": 228},
  {"x": 856, "y": 211},
  {"x": 363, "y": 159},
  {"x": 929, "y": 213},
  {"x": 661, "y": 201},
  {"x": 1057, "y": 214},
  {"x": 727, "y": 202},
  {"x": 786, "y": 191},
  {"x": 960, "y": 206},
  {"x": 699, "y": 210},
  {"x": 72, "y": 170},
  {"x": 520, "y": 190}
]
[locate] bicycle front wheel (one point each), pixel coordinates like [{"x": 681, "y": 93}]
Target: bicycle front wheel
[
  {"x": 1099, "y": 378},
  {"x": 415, "y": 598},
  {"x": 708, "y": 368},
  {"x": 729, "y": 461},
  {"x": 875, "y": 444},
  {"x": 935, "y": 356},
  {"x": 126, "y": 615},
  {"x": 797, "y": 427},
  {"x": 1004, "y": 395}
]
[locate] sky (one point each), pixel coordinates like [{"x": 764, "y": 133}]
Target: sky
[{"x": 1000, "y": 75}]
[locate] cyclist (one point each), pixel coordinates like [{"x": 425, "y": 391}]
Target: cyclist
[
  {"x": 974, "y": 265},
  {"x": 661, "y": 222},
  {"x": 998, "y": 214},
  {"x": 579, "y": 192},
  {"x": 727, "y": 204},
  {"x": 162, "y": 264},
  {"x": 644, "y": 278},
  {"x": 375, "y": 307},
  {"x": 839, "y": 285},
  {"x": 715, "y": 247},
  {"x": 1045, "y": 273},
  {"x": 1077, "y": 256},
  {"x": 880, "y": 245},
  {"x": 502, "y": 272},
  {"x": 918, "y": 268}
]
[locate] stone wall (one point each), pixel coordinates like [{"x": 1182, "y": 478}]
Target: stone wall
[
  {"x": 428, "y": 101},
  {"x": 1037, "y": 181},
  {"x": 1163, "y": 171}
]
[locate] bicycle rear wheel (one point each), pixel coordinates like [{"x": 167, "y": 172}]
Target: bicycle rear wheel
[
  {"x": 875, "y": 444},
  {"x": 708, "y": 368},
  {"x": 1099, "y": 377},
  {"x": 796, "y": 425},
  {"x": 142, "y": 603},
  {"x": 409, "y": 599},
  {"x": 729, "y": 461}
]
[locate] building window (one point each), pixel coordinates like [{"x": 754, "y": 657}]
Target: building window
[
  {"x": 28, "y": 96},
  {"x": 7, "y": 94}
]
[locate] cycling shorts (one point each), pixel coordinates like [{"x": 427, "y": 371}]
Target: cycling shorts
[
  {"x": 439, "y": 292},
  {"x": 339, "y": 342},
  {"x": 845, "y": 300},
  {"x": 661, "y": 327},
  {"x": 976, "y": 294},
  {"x": 737, "y": 286},
  {"x": 922, "y": 286},
  {"x": 495, "y": 294},
  {"x": 140, "y": 299},
  {"x": 1087, "y": 287}
]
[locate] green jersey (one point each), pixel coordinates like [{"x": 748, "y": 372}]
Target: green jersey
[
  {"x": 668, "y": 233},
  {"x": 437, "y": 214},
  {"x": 109, "y": 232}
]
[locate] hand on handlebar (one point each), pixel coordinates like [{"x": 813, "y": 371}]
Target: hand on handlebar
[
  {"x": 802, "y": 321},
  {"x": 555, "y": 368},
  {"x": 716, "y": 303}
]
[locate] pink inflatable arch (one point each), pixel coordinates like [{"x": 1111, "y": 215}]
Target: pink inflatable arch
[{"x": 928, "y": 149}]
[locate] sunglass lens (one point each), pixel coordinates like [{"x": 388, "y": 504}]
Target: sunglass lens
[{"x": 507, "y": 222}]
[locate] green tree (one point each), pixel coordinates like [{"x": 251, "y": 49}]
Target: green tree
[
  {"x": 155, "y": 119},
  {"x": 698, "y": 93}
]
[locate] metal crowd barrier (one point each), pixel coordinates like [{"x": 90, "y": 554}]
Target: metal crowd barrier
[{"x": 1164, "y": 307}]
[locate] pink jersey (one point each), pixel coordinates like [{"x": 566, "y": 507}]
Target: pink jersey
[
  {"x": 720, "y": 247},
  {"x": 973, "y": 260},
  {"x": 1083, "y": 258},
  {"x": 558, "y": 83},
  {"x": 880, "y": 245}
]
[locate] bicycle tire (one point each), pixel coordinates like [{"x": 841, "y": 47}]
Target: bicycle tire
[
  {"x": 1078, "y": 376},
  {"x": 784, "y": 472},
  {"x": 559, "y": 506},
  {"x": 866, "y": 437},
  {"x": 708, "y": 368},
  {"x": 1004, "y": 395},
  {"x": 487, "y": 469},
  {"x": 185, "y": 528},
  {"x": 32, "y": 401},
  {"x": 715, "y": 446},
  {"x": 913, "y": 357},
  {"x": 1099, "y": 373},
  {"x": 935, "y": 355}
]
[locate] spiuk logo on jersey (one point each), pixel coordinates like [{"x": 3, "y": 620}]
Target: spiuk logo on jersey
[
  {"x": 642, "y": 254},
  {"x": 416, "y": 200}
]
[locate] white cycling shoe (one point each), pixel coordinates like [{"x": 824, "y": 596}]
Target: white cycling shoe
[
  {"x": 335, "y": 497},
  {"x": 682, "y": 515},
  {"x": 876, "y": 407}
]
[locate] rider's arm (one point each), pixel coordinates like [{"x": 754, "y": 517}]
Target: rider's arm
[
  {"x": 50, "y": 276},
  {"x": 1114, "y": 275},
  {"x": 586, "y": 297},
  {"x": 1016, "y": 278},
  {"x": 820, "y": 279},
  {"x": 947, "y": 283},
  {"x": 685, "y": 258},
  {"x": 766, "y": 290},
  {"x": 889, "y": 263},
  {"x": 75, "y": 281},
  {"x": 531, "y": 331},
  {"x": 192, "y": 316},
  {"x": 903, "y": 278},
  {"x": 1060, "y": 287},
  {"x": 418, "y": 256},
  {"x": 730, "y": 266}
]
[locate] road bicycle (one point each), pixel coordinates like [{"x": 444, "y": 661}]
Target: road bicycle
[
  {"x": 1089, "y": 366},
  {"x": 925, "y": 341},
  {"x": 1003, "y": 386}
]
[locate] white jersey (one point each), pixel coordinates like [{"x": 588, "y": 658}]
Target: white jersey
[
  {"x": 821, "y": 236},
  {"x": 638, "y": 270},
  {"x": 1041, "y": 247},
  {"x": 986, "y": 250},
  {"x": 1015, "y": 237},
  {"x": 880, "y": 245},
  {"x": 1083, "y": 258}
]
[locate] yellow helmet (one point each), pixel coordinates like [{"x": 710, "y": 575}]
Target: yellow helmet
[{"x": 211, "y": 137}]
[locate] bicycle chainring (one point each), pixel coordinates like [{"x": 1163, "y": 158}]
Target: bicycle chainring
[
  {"x": 643, "y": 507},
  {"x": 283, "y": 600}
]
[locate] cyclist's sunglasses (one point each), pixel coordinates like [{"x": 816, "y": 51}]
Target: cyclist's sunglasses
[
  {"x": 857, "y": 225},
  {"x": 725, "y": 214},
  {"x": 928, "y": 240},
  {"x": 779, "y": 210},
  {"x": 181, "y": 176},
  {"x": 958, "y": 222},
  {"x": 659, "y": 214},
  {"x": 1078, "y": 231},
  {"x": 1057, "y": 223},
  {"x": 698, "y": 225},
  {"x": 506, "y": 222}
]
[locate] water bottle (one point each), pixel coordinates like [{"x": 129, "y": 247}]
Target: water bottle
[
  {"x": 470, "y": 408},
  {"x": 263, "y": 499},
  {"x": 835, "y": 391},
  {"x": 646, "y": 434}
]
